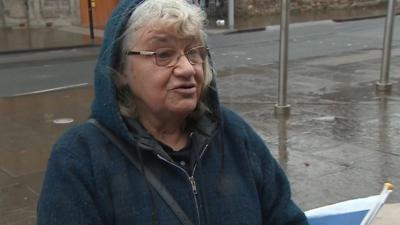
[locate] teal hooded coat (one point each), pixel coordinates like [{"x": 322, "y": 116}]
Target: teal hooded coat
[{"x": 90, "y": 182}]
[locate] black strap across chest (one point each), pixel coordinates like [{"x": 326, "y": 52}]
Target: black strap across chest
[{"x": 156, "y": 184}]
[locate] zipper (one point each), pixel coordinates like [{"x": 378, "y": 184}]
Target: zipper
[
  {"x": 190, "y": 178},
  {"x": 193, "y": 182},
  {"x": 201, "y": 155}
]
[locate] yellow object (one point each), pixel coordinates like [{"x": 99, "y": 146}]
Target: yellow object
[
  {"x": 388, "y": 186},
  {"x": 93, "y": 3}
]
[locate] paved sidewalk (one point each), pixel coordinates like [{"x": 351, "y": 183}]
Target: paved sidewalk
[
  {"x": 341, "y": 141},
  {"x": 42, "y": 39},
  {"x": 13, "y": 40}
]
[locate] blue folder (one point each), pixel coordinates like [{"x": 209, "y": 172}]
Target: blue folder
[{"x": 350, "y": 212}]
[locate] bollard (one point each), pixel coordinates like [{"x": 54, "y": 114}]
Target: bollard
[
  {"x": 28, "y": 23},
  {"x": 28, "y": 19},
  {"x": 384, "y": 86},
  {"x": 203, "y": 4},
  {"x": 282, "y": 108},
  {"x": 91, "y": 3},
  {"x": 231, "y": 14},
  {"x": 283, "y": 142},
  {"x": 3, "y": 14}
]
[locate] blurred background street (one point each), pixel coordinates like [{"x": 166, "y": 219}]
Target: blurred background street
[{"x": 340, "y": 142}]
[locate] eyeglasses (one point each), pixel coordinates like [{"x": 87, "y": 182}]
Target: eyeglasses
[{"x": 169, "y": 57}]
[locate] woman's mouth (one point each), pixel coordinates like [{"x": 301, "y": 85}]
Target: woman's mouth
[{"x": 185, "y": 89}]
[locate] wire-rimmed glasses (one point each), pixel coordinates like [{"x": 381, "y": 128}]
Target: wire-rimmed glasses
[{"x": 169, "y": 57}]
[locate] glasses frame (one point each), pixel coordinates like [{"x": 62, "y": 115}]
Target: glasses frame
[{"x": 176, "y": 60}]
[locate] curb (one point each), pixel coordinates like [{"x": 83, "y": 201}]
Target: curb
[
  {"x": 30, "y": 50},
  {"x": 269, "y": 27},
  {"x": 238, "y": 31},
  {"x": 361, "y": 18}
]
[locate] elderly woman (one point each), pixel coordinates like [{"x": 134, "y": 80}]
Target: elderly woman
[{"x": 159, "y": 148}]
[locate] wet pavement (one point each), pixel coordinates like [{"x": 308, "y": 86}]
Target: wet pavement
[
  {"x": 340, "y": 142},
  {"x": 22, "y": 39},
  {"x": 28, "y": 132},
  {"x": 256, "y": 22}
]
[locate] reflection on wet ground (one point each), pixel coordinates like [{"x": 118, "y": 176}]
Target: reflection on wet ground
[
  {"x": 22, "y": 38},
  {"x": 340, "y": 142},
  {"x": 27, "y": 134},
  {"x": 19, "y": 39}
]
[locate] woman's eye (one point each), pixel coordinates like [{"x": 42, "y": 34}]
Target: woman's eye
[
  {"x": 193, "y": 52},
  {"x": 165, "y": 53}
]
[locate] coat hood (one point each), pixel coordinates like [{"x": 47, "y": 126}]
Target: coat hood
[{"x": 105, "y": 107}]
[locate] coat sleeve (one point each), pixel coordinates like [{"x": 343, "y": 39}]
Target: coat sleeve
[
  {"x": 274, "y": 191},
  {"x": 68, "y": 193}
]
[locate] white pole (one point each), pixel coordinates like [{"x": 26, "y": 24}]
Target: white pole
[
  {"x": 231, "y": 14},
  {"x": 387, "y": 189},
  {"x": 384, "y": 85},
  {"x": 282, "y": 108}
]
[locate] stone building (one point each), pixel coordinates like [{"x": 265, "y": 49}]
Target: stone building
[
  {"x": 40, "y": 13},
  {"x": 262, "y": 7}
]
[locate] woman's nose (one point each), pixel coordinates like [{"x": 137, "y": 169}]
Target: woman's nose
[{"x": 184, "y": 67}]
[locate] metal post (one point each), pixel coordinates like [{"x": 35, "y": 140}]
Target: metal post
[
  {"x": 282, "y": 144},
  {"x": 3, "y": 19},
  {"x": 3, "y": 14},
  {"x": 282, "y": 108},
  {"x": 28, "y": 19},
  {"x": 231, "y": 14},
  {"x": 28, "y": 23},
  {"x": 90, "y": 10},
  {"x": 203, "y": 4},
  {"x": 384, "y": 85}
]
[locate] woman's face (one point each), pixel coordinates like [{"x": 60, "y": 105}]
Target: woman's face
[{"x": 163, "y": 91}]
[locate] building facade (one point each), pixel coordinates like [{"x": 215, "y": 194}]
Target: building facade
[
  {"x": 41, "y": 13},
  {"x": 262, "y": 7},
  {"x": 38, "y": 12}
]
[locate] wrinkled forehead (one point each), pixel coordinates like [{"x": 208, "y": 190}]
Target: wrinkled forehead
[{"x": 156, "y": 35}]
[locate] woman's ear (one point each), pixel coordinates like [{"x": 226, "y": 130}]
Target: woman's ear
[
  {"x": 123, "y": 72},
  {"x": 122, "y": 80},
  {"x": 124, "y": 75}
]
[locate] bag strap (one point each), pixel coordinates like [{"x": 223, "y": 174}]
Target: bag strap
[{"x": 157, "y": 185}]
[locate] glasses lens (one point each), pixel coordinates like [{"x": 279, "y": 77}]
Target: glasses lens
[
  {"x": 169, "y": 56},
  {"x": 165, "y": 56},
  {"x": 196, "y": 55}
]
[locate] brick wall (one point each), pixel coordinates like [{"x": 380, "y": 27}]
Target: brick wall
[{"x": 263, "y": 7}]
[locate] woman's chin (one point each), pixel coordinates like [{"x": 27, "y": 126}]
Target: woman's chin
[{"x": 183, "y": 109}]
